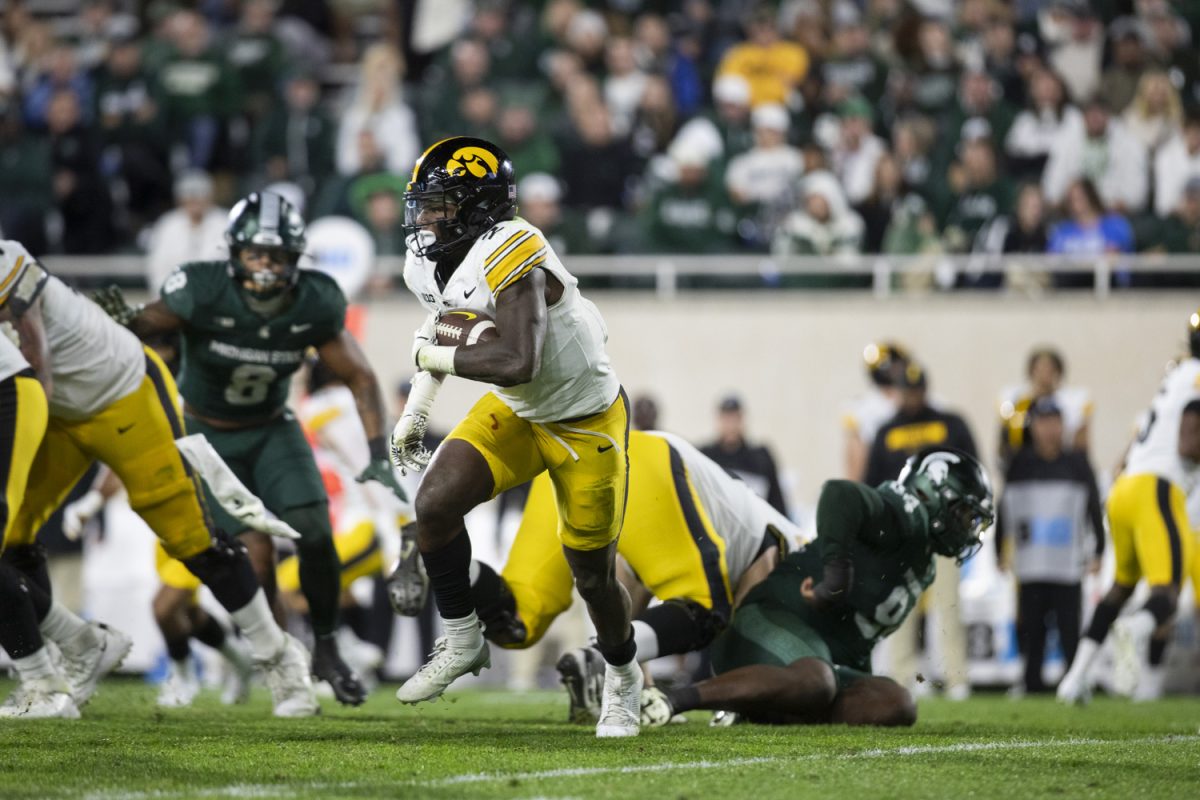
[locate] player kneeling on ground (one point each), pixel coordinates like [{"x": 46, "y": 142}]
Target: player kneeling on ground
[
  {"x": 799, "y": 648},
  {"x": 695, "y": 538}
]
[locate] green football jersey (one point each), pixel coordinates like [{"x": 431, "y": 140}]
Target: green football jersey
[
  {"x": 889, "y": 548},
  {"x": 237, "y": 364}
]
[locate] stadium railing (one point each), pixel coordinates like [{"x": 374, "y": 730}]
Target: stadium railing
[{"x": 668, "y": 275}]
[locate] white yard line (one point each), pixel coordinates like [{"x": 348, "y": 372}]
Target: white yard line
[{"x": 242, "y": 790}]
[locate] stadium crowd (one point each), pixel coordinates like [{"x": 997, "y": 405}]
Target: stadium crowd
[{"x": 646, "y": 126}]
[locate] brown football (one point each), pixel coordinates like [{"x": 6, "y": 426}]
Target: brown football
[{"x": 461, "y": 327}]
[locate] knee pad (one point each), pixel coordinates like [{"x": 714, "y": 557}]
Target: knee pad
[
  {"x": 497, "y": 609},
  {"x": 1161, "y": 605},
  {"x": 225, "y": 569},
  {"x": 30, "y": 560},
  {"x": 312, "y": 523},
  {"x": 683, "y": 625}
]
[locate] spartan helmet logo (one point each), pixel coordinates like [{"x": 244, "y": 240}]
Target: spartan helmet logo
[
  {"x": 475, "y": 161},
  {"x": 937, "y": 467}
]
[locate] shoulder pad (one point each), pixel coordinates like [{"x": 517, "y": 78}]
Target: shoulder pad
[{"x": 27, "y": 288}]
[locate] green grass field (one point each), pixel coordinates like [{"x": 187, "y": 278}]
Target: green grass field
[{"x": 500, "y": 745}]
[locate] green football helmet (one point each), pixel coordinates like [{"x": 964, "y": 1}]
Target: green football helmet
[
  {"x": 265, "y": 221},
  {"x": 957, "y": 496},
  {"x": 460, "y": 187}
]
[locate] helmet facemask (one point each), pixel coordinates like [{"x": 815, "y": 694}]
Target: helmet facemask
[
  {"x": 266, "y": 229},
  {"x": 957, "y": 497},
  {"x": 432, "y": 226},
  {"x": 276, "y": 272}
]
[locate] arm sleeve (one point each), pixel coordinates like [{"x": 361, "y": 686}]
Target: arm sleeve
[{"x": 843, "y": 510}]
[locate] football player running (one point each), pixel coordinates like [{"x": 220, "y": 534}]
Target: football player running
[
  {"x": 557, "y": 406},
  {"x": 246, "y": 323},
  {"x": 1151, "y": 535},
  {"x": 695, "y": 538},
  {"x": 799, "y": 648},
  {"x": 111, "y": 399}
]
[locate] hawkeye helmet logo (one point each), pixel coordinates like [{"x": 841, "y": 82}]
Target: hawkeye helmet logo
[{"x": 476, "y": 161}]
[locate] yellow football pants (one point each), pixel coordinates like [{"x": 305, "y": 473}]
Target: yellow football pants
[
  {"x": 23, "y": 416},
  {"x": 1152, "y": 539}
]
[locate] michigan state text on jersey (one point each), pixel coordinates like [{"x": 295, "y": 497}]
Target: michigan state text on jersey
[{"x": 557, "y": 407}]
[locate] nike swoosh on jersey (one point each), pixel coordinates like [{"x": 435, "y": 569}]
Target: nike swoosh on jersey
[
  {"x": 301, "y": 328},
  {"x": 469, "y": 292}
]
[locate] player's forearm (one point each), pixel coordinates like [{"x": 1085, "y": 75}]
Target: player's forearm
[
  {"x": 369, "y": 399},
  {"x": 153, "y": 319},
  {"x": 499, "y": 362}
]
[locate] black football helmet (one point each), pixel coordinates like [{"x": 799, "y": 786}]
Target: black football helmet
[
  {"x": 265, "y": 220},
  {"x": 957, "y": 495},
  {"x": 460, "y": 187},
  {"x": 883, "y": 360}
]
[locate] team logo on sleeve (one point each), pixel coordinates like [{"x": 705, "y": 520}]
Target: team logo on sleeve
[{"x": 474, "y": 161}]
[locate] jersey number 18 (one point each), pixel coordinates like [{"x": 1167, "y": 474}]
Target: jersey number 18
[{"x": 891, "y": 612}]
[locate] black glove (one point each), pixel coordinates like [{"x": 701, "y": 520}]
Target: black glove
[{"x": 835, "y": 584}]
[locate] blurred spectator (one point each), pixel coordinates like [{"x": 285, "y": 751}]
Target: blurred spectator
[
  {"x": 852, "y": 69},
  {"x": 655, "y": 120},
  {"x": 1074, "y": 38},
  {"x": 478, "y": 110},
  {"x": 530, "y": 147},
  {"x": 378, "y": 203},
  {"x": 772, "y": 65},
  {"x": 1179, "y": 232},
  {"x": 257, "y": 55},
  {"x": 586, "y": 35},
  {"x": 99, "y": 22},
  {"x": 334, "y": 196},
  {"x": 1035, "y": 129},
  {"x": 624, "y": 83},
  {"x": 1044, "y": 371},
  {"x": 131, "y": 132},
  {"x": 1050, "y": 528},
  {"x": 1175, "y": 164},
  {"x": 502, "y": 26},
  {"x": 872, "y": 409},
  {"x": 880, "y": 208},
  {"x": 825, "y": 224},
  {"x": 690, "y": 213},
  {"x": 680, "y": 59},
  {"x": 935, "y": 71},
  {"x": 1171, "y": 40},
  {"x": 597, "y": 165},
  {"x": 377, "y": 107},
  {"x": 1026, "y": 232},
  {"x": 539, "y": 199},
  {"x": 645, "y": 413},
  {"x": 916, "y": 425},
  {"x": 80, "y": 192},
  {"x": 726, "y": 131},
  {"x": 980, "y": 193},
  {"x": 979, "y": 98},
  {"x": 857, "y": 149},
  {"x": 200, "y": 92},
  {"x": 1120, "y": 81},
  {"x": 763, "y": 182},
  {"x": 26, "y": 175},
  {"x": 62, "y": 74},
  {"x": 753, "y": 463},
  {"x": 1155, "y": 115},
  {"x": 1088, "y": 229},
  {"x": 296, "y": 141},
  {"x": 1001, "y": 58},
  {"x": 193, "y": 231},
  {"x": 1103, "y": 151},
  {"x": 469, "y": 69},
  {"x": 912, "y": 138}
]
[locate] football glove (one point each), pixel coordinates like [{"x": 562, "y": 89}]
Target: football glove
[
  {"x": 424, "y": 336},
  {"x": 408, "y": 449},
  {"x": 380, "y": 471},
  {"x": 77, "y": 514},
  {"x": 408, "y": 585},
  {"x": 112, "y": 300}
]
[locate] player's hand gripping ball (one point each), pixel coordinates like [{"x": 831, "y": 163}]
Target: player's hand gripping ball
[{"x": 461, "y": 327}]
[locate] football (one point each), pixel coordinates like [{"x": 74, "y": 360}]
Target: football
[{"x": 461, "y": 327}]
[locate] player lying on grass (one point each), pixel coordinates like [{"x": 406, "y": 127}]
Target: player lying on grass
[
  {"x": 799, "y": 648},
  {"x": 694, "y": 537}
]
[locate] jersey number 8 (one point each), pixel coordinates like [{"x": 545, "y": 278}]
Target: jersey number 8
[{"x": 249, "y": 384}]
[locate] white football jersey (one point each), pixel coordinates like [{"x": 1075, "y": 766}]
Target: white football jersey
[
  {"x": 1156, "y": 449},
  {"x": 11, "y": 360},
  {"x": 1075, "y": 402},
  {"x": 93, "y": 360},
  {"x": 575, "y": 378},
  {"x": 738, "y": 515}
]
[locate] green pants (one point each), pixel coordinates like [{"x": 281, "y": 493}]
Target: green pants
[
  {"x": 766, "y": 633},
  {"x": 275, "y": 462}
]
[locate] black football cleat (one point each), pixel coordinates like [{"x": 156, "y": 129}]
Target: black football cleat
[
  {"x": 328, "y": 666},
  {"x": 582, "y": 673}
]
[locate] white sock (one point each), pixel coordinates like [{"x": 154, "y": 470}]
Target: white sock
[
  {"x": 259, "y": 627},
  {"x": 463, "y": 633},
  {"x": 1084, "y": 656},
  {"x": 182, "y": 667},
  {"x": 36, "y": 667},
  {"x": 233, "y": 654},
  {"x": 73, "y": 636},
  {"x": 1143, "y": 623},
  {"x": 625, "y": 672},
  {"x": 646, "y": 640}
]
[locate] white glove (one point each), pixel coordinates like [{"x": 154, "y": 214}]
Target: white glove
[
  {"x": 408, "y": 449},
  {"x": 77, "y": 514},
  {"x": 423, "y": 337},
  {"x": 230, "y": 492}
]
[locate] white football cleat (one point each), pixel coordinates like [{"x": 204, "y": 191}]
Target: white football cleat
[
  {"x": 1131, "y": 650},
  {"x": 239, "y": 671},
  {"x": 288, "y": 678},
  {"x": 40, "y": 699},
  {"x": 621, "y": 704},
  {"x": 656, "y": 709},
  {"x": 582, "y": 673},
  {"x": 446, "y": 665},
  {"x": 181, "y": 686},
  {"x": 82, "y": 673},
  {"x": 1150, "y": 685},
  {"x": 1075, "y": 687}
]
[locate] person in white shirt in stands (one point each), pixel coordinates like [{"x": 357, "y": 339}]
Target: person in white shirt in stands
[
  {"x": 766, "y": 178},
  {"x": 1177, "y": 162},
  {"x": 194, "y": 230},
  {"x": 1103, "y": 150}
]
